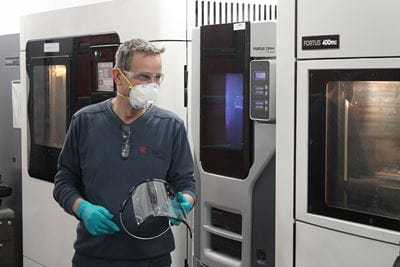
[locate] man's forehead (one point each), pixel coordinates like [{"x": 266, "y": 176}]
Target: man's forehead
[
  {"x": 143, "y": 56},
  {"x": 141, "y": 60}
]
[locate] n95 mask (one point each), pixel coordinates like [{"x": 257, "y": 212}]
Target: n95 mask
[{"x": 143, "y": 95}]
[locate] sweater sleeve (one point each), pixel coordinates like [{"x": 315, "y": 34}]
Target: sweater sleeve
[
  {"x": 67, "y": 181},
  {"x": 181, "y": 172}
]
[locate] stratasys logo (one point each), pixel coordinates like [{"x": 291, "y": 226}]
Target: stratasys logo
[{"x": 320, "y": 42}]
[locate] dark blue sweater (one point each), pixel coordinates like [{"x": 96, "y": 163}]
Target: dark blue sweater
[{"x": 90, "y": 165}]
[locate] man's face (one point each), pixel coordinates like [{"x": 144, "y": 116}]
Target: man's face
[{"x": 144, "y": 69}]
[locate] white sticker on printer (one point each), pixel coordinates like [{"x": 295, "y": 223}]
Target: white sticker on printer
[
  {"x": 51, "y": 47},
  {"x": 239, "y": 26}
]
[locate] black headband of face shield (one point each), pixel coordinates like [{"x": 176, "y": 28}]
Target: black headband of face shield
[{"x": 170, "y": 189}]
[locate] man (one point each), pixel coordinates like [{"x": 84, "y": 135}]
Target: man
[{"x": 111, "y": 147}]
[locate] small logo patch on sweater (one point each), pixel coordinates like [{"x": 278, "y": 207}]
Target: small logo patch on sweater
[
  {"x": 151, "y": 150},
  {"x": 144, "y": 149}
]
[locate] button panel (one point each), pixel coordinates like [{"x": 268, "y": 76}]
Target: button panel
[{"x": 260, "y": 86}]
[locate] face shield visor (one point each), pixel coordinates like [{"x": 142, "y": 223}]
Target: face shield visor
[{"x": 150, "y": 201}]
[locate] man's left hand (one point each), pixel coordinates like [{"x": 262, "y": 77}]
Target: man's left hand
[{"x": 186, "y": 202}]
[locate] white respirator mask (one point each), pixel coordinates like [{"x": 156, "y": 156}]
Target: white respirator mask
[{"x": 143, "y": 95}]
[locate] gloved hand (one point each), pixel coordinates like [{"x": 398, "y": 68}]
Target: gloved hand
[
  {"x": 97, "y": 219},
  {"x": 185, "y": 204}
]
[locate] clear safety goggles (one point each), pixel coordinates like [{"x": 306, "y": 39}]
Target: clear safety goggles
[
  {"x": 145, "y": 77},
  {"x": 154, "y": 198}
]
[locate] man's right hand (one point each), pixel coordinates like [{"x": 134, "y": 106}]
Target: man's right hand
[{"x": 97, "y": 219}]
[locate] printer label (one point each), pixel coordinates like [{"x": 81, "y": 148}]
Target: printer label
[{"x": 320, "y": 42}]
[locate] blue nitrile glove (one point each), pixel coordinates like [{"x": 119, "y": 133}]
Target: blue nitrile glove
[
  {"x": 97, "y": 219},
  {"x": 186, "y": 205}
]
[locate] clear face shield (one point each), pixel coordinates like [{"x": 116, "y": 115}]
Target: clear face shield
[{"x": 151, "y": 204}]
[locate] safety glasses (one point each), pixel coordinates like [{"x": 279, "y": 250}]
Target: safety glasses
[{"x": 145, "y": 77}]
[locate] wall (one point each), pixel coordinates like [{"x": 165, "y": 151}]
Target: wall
[{"x": 12, "y": 10}]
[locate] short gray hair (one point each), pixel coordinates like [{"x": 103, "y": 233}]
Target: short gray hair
[{"x": 125, "y": 52}]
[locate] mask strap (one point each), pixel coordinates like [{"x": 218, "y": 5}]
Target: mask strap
[
  {"x": 130, "y": 85},
  {"x": 127, "y": 97}
]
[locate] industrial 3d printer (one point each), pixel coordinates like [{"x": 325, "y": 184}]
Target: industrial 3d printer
[
  {"x": 233, "y": 129},
  {"x": 65, "y": 74}
]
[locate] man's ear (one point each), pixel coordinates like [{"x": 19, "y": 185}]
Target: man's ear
[{"x": 117, "y": 76}]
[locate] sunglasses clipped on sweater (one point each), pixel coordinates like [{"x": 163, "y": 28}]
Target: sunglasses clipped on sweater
[{"x": 126, "y": 147}]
